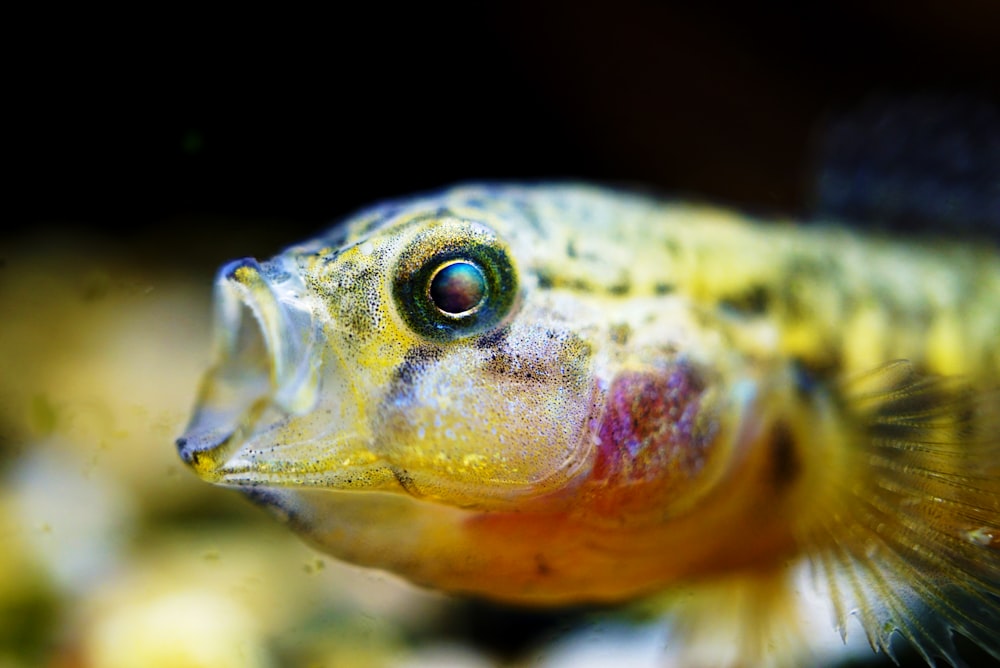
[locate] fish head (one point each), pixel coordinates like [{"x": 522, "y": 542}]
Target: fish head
[{"x": 375, "y": 359}]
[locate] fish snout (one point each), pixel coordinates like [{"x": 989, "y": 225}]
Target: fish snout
[{"x": 266, "y": 361}]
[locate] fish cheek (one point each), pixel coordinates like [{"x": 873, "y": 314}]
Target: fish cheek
[
  {"x": 657, "y": 437},
  {"x": 650, "y": 425},
  {"x": 653, "y": 425},
  {"x": 476, "y": 425}
]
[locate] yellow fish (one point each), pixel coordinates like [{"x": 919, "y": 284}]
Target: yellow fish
[{"x": 559, "y": 394}]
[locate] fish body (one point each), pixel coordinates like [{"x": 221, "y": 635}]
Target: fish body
[{"x": 560, "y": 393}]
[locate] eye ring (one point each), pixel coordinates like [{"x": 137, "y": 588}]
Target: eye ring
[
  {"x": 458, "y": 288},
  {"x": 453, "y": 280}
]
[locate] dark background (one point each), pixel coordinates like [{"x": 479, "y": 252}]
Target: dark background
[
  {"x": 188, "y": 138},
  {"x": 182, "y": 128}
]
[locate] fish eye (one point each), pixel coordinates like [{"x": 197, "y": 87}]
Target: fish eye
[
  {"x": 454, "y": 280},
  {"x": 457, "y": 288}
]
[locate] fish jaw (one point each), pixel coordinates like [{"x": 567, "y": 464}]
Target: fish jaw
[{"x": 264, "y": 408}]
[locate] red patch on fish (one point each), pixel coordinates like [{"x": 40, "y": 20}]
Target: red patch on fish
[{"x": 649, "y": 427}]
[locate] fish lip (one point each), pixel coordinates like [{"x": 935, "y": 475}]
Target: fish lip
[
  {"x": 274, "y": 294},
  {"x": 190, "y": 448},
  {"x": 267, "y": 362}
]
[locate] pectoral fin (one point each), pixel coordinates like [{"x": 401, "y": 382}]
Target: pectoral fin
[{"x": 911, "y": 539}]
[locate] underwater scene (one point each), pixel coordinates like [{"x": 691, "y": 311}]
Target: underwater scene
[{"x": 578, "y": 336}]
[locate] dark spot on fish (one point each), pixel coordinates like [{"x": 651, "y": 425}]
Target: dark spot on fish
[
  {"x": 571, "y": 248},
  {"x": 516, "y": 367},
  {"x": 541, "y": 565},
  {"x": 405, "y": 481},
  {"x": 499, "y": 363},
  {"x": 805, "y": 380},
  {"x": 785, "y": 464},
  {"x": 792, "y": 305},
  {"x": 672, "y": 247},
  {"x": 663, "y": 288},
  {"x": 276, "y": 502},
  {"x": 259, "y": 495},
  {"x": 329, "y": 255},
  {"x": 621, "y": 288},
  {"x": 567, "y": 364},
  {"x": 828, "y": 365},
  {"x": 414, "y": 362},
  {"x": 364, "y": 275},
  {"x": 802, "y": 276},
  {"x": 753, "y": 301},
  {"x": 546, "y": 281},
  {"x": 493, "y": 338},
  {"x": 620, "y": 333},
  {"x": 274, "y": 275},
  {"x": 358, "y": 322},
  {"x": 505, "y": 364}
]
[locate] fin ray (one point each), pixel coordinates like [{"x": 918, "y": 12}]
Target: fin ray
[{"x": 911, "y": 544}]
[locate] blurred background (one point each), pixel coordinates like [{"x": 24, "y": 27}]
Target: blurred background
[{"x": 146, "y": 148}]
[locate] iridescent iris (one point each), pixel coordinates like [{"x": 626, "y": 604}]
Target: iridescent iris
[{"x": 457, "y": 288}]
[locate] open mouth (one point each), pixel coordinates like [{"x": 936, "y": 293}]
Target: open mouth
[{"x": 266, "y": 365}]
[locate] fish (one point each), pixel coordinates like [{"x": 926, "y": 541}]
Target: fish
[{"x": 555, "y": 394}]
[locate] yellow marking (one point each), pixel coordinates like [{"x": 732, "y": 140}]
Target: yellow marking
[
  {"x": 866, "y": 330},
  {"x": 946, "y": 346},
  {"x": 246, "y": 275}
]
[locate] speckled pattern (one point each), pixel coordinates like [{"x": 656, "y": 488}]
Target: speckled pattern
[
  {"x": 649, "y": 427},
  {"x": 647, "y": 393}
]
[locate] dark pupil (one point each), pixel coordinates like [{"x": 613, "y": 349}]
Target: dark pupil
[{"x": 457, "y": 288}]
